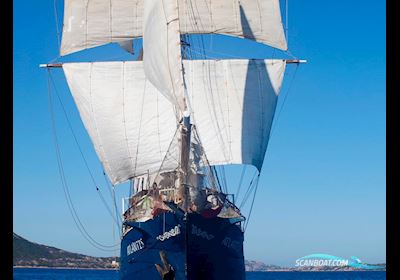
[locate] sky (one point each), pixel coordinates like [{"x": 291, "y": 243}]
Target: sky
[{"x": 322, "y": 187}]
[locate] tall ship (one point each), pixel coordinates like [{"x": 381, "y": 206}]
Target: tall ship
[{"x": 165, "y": 121}]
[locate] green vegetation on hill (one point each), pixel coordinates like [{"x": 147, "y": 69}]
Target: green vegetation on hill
[{"x": 26, "y": 253}]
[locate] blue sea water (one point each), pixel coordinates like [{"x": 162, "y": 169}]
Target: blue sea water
[{"x": 86, "y": 274}]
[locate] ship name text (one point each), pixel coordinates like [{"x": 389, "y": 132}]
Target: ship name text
[
  {"x": 168, "y": 234},
  {"x": 135, "y": 246}
]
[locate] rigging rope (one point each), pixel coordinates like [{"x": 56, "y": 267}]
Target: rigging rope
[
  {"x": 112, "y": 193},
  {"x": 287, "y": 21},
  {"x": 224, "y": 179},
  {"x": 70, "y": 204},
  {"x": 240, "y": 181},
  {"x": 107, "y": 184},
  {"x": 272, "y": 130},
  {"x": 252, "y": 203},
  {"x": 249, "y": 190},
  {"x": 274, "y": 122},
  {"x": 80, "y": 149},
  {"x": 57, "y": 31}
]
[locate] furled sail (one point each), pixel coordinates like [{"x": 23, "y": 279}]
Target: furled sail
[
  {"x": 131, "y": 125},
  {"x": 91, "y": 23},
  {"x": 162, "y": 58}
]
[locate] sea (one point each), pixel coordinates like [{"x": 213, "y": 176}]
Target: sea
[{"x": 86, "y": 274}]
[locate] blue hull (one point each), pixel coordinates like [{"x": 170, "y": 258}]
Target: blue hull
[{"x": 196, "y": 247}]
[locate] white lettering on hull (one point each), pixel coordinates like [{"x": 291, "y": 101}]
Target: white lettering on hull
[
  {"x": 135, "y": 246},
  {"x": 168, "y": 234}
]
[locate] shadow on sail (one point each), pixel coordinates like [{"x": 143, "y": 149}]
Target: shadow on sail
[{"x": 258, "y": 106}]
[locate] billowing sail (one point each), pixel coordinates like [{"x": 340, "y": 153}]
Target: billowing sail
[
  {"x": 91, "y": 23},
  {"x": 131, "y": 125},
  {"x": 162, "y": 58},
  {"x": 129, "y": 122},
  {"x": 233, "y": 103}
]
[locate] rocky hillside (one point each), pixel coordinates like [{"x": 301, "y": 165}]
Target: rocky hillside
[
  {"x": 260, "y": 266},
  {"x": 26, "y": 253}
]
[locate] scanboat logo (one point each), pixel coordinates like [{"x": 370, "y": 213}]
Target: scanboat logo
[
  {"x": 135, "y": 246},
  {"x": 168, "y": 234},
  {"x": 328, "y": 260}
]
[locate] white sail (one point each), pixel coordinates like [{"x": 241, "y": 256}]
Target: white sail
[
  {"x": 162, "y": 59},
  {"x": 91, "y": 23},
  {"x": 233, "y": 103},
  {"x": 131, "y": 125}
]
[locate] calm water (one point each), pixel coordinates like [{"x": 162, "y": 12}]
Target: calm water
[{"x": 69, "y": 274}]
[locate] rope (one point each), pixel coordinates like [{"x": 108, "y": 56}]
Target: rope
[
  {"x": 248, "y": 192},
  {"x": 73, "y": 133},
  {"x": 224, "y": 179},
  {"x": 240, "y": 181},
  {"x": 252, "y": 203},
  {"x": 216, "y": 176},
  {"x": 57, "y": 31},
  {"x": 210, "y": 174},
  {"x": 287, "y": 21},
  {"x": 107, "y": 184},
  {"x": 284, "y": 101},
  {"x": 107, "y": 207},
  {"x": 140, "y": 128},
  {"x": 80, "y": 149},
  {"x": 112, "y": 193},
  {"x": 70, "y": 204}
]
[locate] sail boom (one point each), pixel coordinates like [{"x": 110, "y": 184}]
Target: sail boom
[{"x": 59, "y": 65}]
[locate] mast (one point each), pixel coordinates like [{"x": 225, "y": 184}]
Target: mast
[{"x": 183, "y": 187}]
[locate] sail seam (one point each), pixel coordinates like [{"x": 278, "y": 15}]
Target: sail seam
[
  {"x": 236, "y": 10},
  {"x": 260, "y": 16},
  {"x": 111, "y": 19},
  {"x": 101, "y": 147},
  {"x": 228, "y": 111},
  {"x": 212, "y": 65},
  {"x": 158, "y": 127},
  {"x": 124, "y": 115},
  {"x": 87, "y": 24},
  {"x": 140, "y": 128}
]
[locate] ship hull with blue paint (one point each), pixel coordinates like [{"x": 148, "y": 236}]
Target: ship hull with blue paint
[{"x": 196, "y": 247}]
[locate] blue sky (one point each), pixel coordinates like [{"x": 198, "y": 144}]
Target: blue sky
[{"x": 322, "y": 187}]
